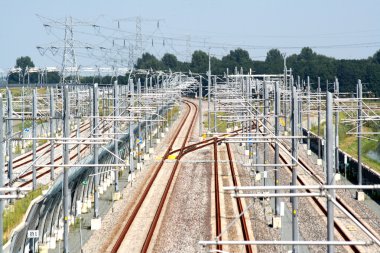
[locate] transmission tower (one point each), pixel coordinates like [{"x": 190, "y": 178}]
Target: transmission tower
[
  {"x": 135, "y": 51},
  {"x": 69, "y": 65},
  {"x": 131, "y": 56},
  {"x": 188, "y": 48},
  {"x": 138, "y": 42}
]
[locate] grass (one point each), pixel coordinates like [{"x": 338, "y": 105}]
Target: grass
[
  {"x": 77, "y": 221},
  {"x": 16, "y": 92},
  {"x": 221, "y": 125},
  {"x": 170, "y": 115},
  {"x": 13, "y": 215},
  {"x": 18, "y": 127},
  {"x": 349, "y": 142}
]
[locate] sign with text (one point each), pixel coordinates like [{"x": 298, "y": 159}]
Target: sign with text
[{"x": 33, "y": 234}]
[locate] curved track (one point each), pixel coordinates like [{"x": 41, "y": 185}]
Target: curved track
[
  {"x": 190, "y": 115},
  {"x": 43, "y": 150}
]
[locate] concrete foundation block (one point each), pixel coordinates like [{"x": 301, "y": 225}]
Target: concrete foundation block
[
  {"x": 139, "y": 166},
  {"x": 236, "y": 128},
  {"x": 78, "y": 207},
  {"x": 308, "y": 152},
  {"x": 360, "y": 196},
  {"x": 337, "y": 177},
  {"x": 52, "y": 242},
  {"x": 319, "y": 161},
  {"x": 90, "y": 201},
  {"x": 258, "y": 177},
  {"x": 104, "y": 186},
  {"x": 92, "y": 198},
  {"x": 84, "y": 208},
  {"x": 116, "y": 196},
  {"x": 101, "y": 190},
  {"x": 146, "y": 157},
  {"x": 246, "y": 152},
  {"x": 286, "y": 133},
  {"x": 228, "y": 129},
  {"x": 166, "y": 129},
  {"x": 151, "y": 150},
  {"x": 22, "y": 151},
  {"x": 60, "y": 234},
  {"x": 158, "y": 141},
  {"x": 276, "y": 222},
  {"x": 96, "y": 224},
  {"x": 162, "y": 135},
  {"x": 71, "y": 220},
  {"x": 43, "y": 248}
]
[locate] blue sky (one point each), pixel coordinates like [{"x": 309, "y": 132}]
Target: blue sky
[{"x": 215, "y": 25}]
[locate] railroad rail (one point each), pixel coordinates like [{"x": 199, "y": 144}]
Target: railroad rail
[
  {"x": 318, "y": 203},
  {"x": 243, "y": 223},
  {"x": 116, "y": 246},
  {"x": 42, "y": 171}
]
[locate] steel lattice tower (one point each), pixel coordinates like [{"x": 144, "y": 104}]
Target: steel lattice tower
[{"x": 69, "y": 64}]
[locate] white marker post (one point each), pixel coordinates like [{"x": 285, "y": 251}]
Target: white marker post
[{"x": 33, "y": 234}]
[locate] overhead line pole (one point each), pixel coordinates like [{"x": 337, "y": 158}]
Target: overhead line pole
[
  {"x": 330, "y": 170},
  {"x": 66, "y": 160},
  {"x": 294, "y": 200}
]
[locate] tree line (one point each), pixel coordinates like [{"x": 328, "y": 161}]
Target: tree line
[{"x": 306, "y": 63}]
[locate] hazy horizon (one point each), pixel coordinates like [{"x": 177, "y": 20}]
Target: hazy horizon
[{"x": 339, "y": 29}]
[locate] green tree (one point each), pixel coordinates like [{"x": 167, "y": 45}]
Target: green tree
[
  {"x": 23, "y": 62},
  {"x": 148, "y": 61},
  {"x": 170, "y": 61},
  {"x": 53, "y": 77},
  {"x": 376, "y": 57},
  {"x": 237, "y": 58},
  {"x": 274, "y": 62},
  {"x": 199, "y": 62}
]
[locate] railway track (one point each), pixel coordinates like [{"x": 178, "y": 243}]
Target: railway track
[
  {"x": 320, "y": 205},
  {"x": 45, "y": 148},
  {"x": 43, "y": 171},
  {"x": 117, "y": 245},
  {"x": 243, "y": 222},
  {"x": 218, "y": 221},
  {"x": 238, "y": 201}
]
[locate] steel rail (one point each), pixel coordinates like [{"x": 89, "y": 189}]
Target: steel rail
[
  {"x": 125, "y": 229},
  {"x": 244, "y": 227},
  {"x": 217, "y": 198},
  {"x": 153, "y": 226}
]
